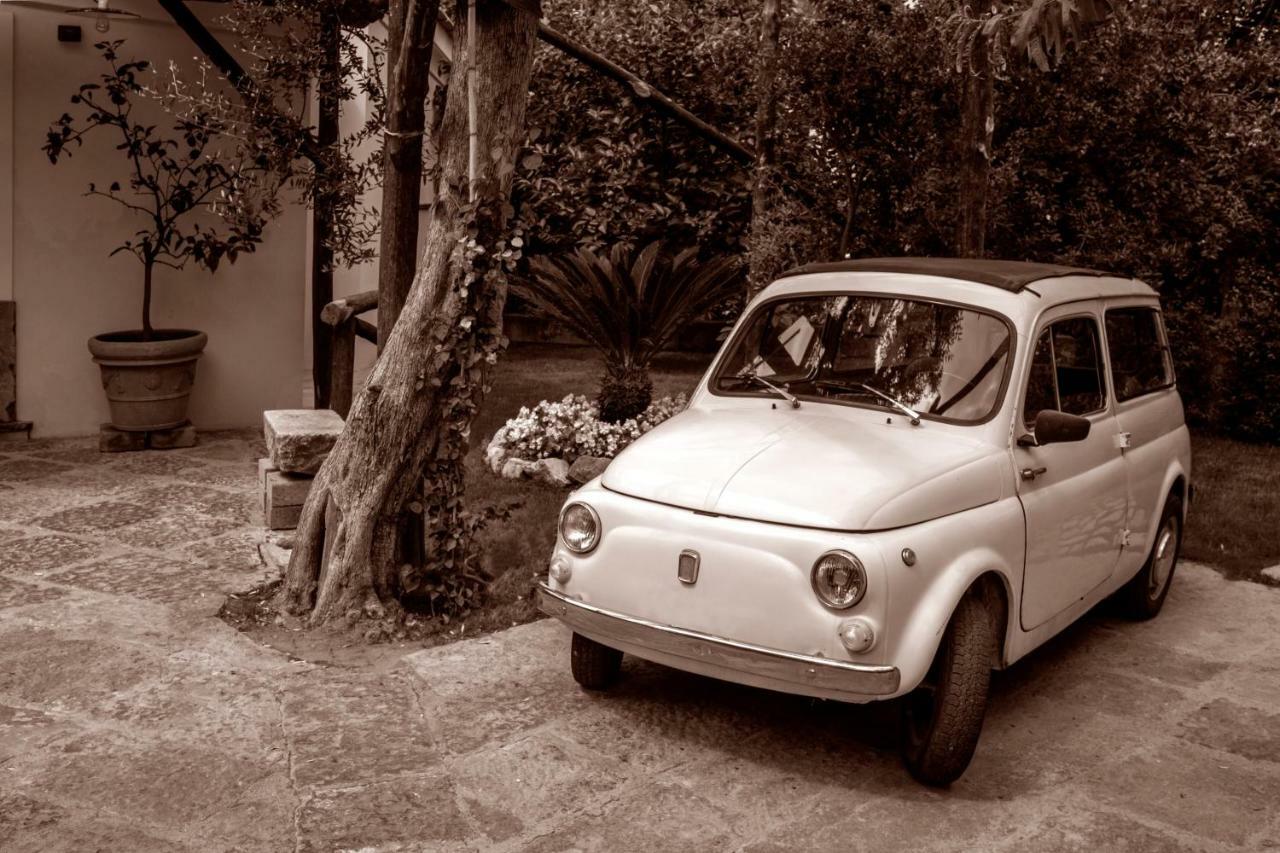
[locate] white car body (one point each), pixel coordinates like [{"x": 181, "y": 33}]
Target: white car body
[{"x": 760, "y": 490}]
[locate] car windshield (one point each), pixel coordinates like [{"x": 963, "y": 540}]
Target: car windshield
[{"x": 945, "y": 362}]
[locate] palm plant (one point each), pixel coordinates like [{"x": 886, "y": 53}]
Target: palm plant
[{"x": 628, "y": 306}]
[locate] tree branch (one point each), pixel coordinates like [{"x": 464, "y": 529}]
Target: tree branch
[
  {"x": 644, "y": 91},
  {"x": 216, "y": 53}
]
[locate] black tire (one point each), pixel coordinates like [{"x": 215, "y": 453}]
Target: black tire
[
  {"x": 1143, "y": 596},
  {"x": 595, "y": 666},
  {"x": 942, "y": 719}
]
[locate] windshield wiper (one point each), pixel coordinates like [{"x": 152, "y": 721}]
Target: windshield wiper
[
  {"x": 781, "y": 392},
  {"x": 896, "y": 403}
]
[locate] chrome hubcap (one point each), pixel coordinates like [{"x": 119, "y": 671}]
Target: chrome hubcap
[{"x": 1162, "y": 558}]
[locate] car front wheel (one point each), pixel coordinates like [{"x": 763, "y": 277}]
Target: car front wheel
[
  {"x": 1144, "y": 595},
  {"x": 595, "y": 666},
  {"x": 943, "y": 716}
]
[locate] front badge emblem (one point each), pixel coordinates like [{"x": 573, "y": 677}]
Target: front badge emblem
[{"x": 687, "y": 568}]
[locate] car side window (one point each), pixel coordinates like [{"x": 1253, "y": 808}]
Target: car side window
[
  {"x": 1140, "y": 361},
  {"x": 1066, "y": 371}
]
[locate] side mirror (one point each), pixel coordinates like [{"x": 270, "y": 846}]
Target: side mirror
[{"x": 1053, "y": 427}]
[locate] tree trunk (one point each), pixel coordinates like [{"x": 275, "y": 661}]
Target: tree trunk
[
  {"x": 411, "y": 26},
  {"x": 321, "y": 216},
  {"x": 414, "y": 415},
  {"x": 977, "y": 125},
  {"x": 766, "y": 129},
  {"x": 147, "y": 266},
  {"x": 852, "y": 186}
]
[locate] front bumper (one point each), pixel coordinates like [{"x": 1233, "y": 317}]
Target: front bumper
[{"x": 718, "y": 657}]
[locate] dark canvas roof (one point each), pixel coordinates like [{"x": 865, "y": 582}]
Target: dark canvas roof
[{"x": 1006, "y": 275}]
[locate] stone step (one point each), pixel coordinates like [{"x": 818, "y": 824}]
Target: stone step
[
  {"x": 298, "y": 440},
  {"x": 283, "y": 495}
]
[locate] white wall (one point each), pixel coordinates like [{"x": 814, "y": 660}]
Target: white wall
[
  {"x": 66, "y": 287},
  {"x": 6, "y": 155}
]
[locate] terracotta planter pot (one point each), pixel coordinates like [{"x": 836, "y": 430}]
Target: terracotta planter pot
[{"x": 148, "y": 383}]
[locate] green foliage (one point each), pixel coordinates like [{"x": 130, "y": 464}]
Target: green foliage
[
  {"x": 606, "y": 168},
  {"x": 625, "y": 392},
  {"x": 628, "y": 306},
  {"x": 453, "y": 583},
  {"x": 1153, "y": 150},
  {"x": 1156, "y": 152},
  {"x": 170, "y": 178},
  {"x": 282, "y": 46},
  {"x": 1043, "y": 30}
]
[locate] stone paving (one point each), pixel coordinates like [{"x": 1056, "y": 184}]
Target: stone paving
[{"x": 132, "y": 719}]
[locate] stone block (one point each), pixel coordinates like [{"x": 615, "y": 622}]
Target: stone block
[
  {"x": 298, "y": 440},
  {"x": 283, "y": 489},
  {"x": 171, "y": 439},
  {"x": 586, "y": 468},
  {"x": 112, "y": 440},
  {"x": 283, "y": 517},
  {"x": 553, "y": 472},
  {"x": 264, "y": 467},
  {"x": 515, "y": 469},
  {"x": 15, "y": 431}
]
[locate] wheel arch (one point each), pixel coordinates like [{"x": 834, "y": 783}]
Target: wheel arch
[{"x": 981, "y": 572}]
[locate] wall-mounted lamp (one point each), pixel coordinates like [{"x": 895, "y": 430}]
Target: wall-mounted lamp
[{"x": 102, "y": 14}]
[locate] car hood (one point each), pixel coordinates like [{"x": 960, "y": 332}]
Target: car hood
[{"x": 806, "y": 468}]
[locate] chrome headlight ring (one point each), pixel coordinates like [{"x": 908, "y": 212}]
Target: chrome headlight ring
[
  {"x": 839, "y": 579},
  {"x": 579, "y": 527}
]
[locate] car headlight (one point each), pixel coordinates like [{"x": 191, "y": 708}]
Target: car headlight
[
  {"x": 579, "y": 527},
  {"x": 839, "y": 579}
]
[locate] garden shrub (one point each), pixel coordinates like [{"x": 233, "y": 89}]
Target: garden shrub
[{"x": 572, "y": 427}]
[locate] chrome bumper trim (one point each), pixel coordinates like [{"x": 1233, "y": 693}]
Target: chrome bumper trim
[{"x": 708, "y": 653}]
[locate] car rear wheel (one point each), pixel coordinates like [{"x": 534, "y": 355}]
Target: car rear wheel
[
  {"x": 594, "y": 666},
  {"x": 1143, "y": 596},
  {"x": 943, "y": 716}
]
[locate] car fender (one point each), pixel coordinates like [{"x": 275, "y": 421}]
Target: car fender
[
  {"x": 1179, "y": 466},
  {"x": 927, "y": 621}
]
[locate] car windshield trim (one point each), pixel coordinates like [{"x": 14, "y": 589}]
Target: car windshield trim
[{"x": 1006, "y": 351}]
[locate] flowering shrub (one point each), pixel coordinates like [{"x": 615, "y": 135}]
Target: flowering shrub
[{"x": 571, "y": 427}]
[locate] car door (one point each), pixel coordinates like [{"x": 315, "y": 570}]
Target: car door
[
  {"x": 1148, "y": 409},
  {"x": 1074, "y": 495}
]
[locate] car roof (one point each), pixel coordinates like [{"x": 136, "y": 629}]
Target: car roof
[{"x": 1011, "y": 276}]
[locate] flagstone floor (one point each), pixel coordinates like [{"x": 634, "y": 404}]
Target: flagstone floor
[{"x": 131, "y": 718}]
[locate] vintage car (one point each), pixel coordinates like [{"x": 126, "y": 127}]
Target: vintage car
[{"x": 896, "y": 475}]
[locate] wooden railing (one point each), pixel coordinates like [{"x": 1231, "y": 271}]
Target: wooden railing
[{"x": 343, "y": 316}]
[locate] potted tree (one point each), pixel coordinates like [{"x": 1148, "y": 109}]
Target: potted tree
[{"x": 191, "y": 196}]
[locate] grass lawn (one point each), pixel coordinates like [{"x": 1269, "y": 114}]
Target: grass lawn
[{"x": 1234, "y": 523}]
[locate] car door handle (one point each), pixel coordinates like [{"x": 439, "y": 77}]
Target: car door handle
[{"x": 1031, "y": 473}]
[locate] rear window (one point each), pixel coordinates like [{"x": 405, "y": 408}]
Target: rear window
[{"x": 1140, "y": 361}]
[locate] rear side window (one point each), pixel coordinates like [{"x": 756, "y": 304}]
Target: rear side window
[
  {"x": 1140, "y": 361},
  {"x": 1066, "y": 371}
]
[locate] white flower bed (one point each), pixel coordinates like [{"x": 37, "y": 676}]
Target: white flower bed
[{"x": 568, "y": 429}]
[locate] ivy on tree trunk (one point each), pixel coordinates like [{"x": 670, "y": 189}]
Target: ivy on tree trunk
[{"x": 413, "y": 417}]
